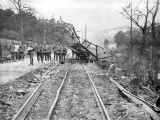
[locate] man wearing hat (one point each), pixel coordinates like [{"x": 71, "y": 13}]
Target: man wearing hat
[
  {"x": 38, "y": 50},
  {"x": 55, "y": 51},
  {"x": 50, "y": 52},
  {"x": 30, "y": 51},
  {"x": 12, "y": 51},
  {"x": 64, "y": 52},
  {"x": 21, "y": 51}
]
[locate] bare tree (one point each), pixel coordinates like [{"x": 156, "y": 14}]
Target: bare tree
[
  {"x": 154, "y": 61},
  {"x": 136, "y": 16},
  {"x": 20, "y": 9}
]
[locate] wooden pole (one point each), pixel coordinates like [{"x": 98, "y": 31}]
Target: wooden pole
[
  {"x": 89, "y": 45},
  {"x": 131, "y": 39},
  {"x": 85, "y": 33},
  {"x": 93, "y": 44},
  {"x": 83, "y": 42}
]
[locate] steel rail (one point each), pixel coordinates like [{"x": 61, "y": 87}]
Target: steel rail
[
  {"x": 149, "y": 104},
  {"x": 49, "y": 71},
  {"x": 22, "y": 113},
  {"x": 98, "y": 98},
  {"x": 47, "y": 66},
  {"x": 156, "y": 109},
  {"x": 57, "y": 96},
  {"x": 24, "y": 110},
  {"x": 145, "y": 106}
]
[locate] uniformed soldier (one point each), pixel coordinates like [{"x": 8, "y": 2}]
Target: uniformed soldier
[
  {"x": 12, "y": 51},
  {"x": 58, "y": 51},
  {"x": 64, "y": 53},
  {"x": 21, "y": 51},
  {"x": 38, "y": 49},
  {"x": 45, "y": 51},
  {"x": 31, "y": 51},
  {"x": 42, "y": 53},
  {"x": 50, "y": 52},
  {"x": 61, "y": 54},
  {"x": 55, "y": 51}
]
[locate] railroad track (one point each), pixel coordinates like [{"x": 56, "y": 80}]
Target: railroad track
[
  {"x": 74, "y": 86},
  {"x": 25, "y": 110},
  {"x": 147, "y": 105},
  {"x": 151, "y": 109},
  {"x": 76, "y": 98},
  {"x": 49, "y": 71},
  {"x": 124, "y": 91},
  {"x": 57, "y": 96},
  {"x": 98, "y": 99}
]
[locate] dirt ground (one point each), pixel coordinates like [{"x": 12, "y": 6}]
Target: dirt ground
[
  {"x": 15, "y": 92},
  {"x": 50, "y": 85},
  {"x": 119, "y": 108},
  {"x": 76, "y": 100},
  {"x": 13, "y": 70},
  {"x": 146, "y": 94}
]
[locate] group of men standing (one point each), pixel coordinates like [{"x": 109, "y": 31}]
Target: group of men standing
[
  {"x": 17, "y": 51},
  {"x": 44, "y": 52},
  {"x": 60, "y": 52}
]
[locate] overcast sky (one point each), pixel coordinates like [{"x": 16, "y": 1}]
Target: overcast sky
[{"x": 98, "y": 14}]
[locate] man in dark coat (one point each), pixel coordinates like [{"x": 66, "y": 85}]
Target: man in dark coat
[
  {"x": 45, "y": 51},
  {"x": 38, "y": 51},
  {"x": 21, "y": 51},
  {"x": 58, "y": 51},
  {"x": 31, "y": 51},
  {"x": 50, "y": 52},
  {"x": 42, "y": 52},
  {"x": 64, "y": 53}
]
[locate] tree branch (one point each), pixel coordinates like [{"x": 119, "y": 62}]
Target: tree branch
[
  {"x": 155, "y": 13},
  {"x": 152, "y": 8},
  {"x": 129, "y": 17},
  {"x": 14, "y": 2},
  {"x": 146, "y": 17}
]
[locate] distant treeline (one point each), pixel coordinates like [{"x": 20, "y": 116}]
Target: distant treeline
[{"x": 37, "y": 29}]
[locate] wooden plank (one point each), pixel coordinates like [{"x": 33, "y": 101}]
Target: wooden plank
[
  {"x": 101, "y": 51},
  {"x": 94, "y": 44},
  {"x": 105, "y": 57},
  {"x": 89, "y": 45},
  {"x": 83, "y": 42},
  {"x": 74, "y": 50},
  {"x": 88, "y": 51}
]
